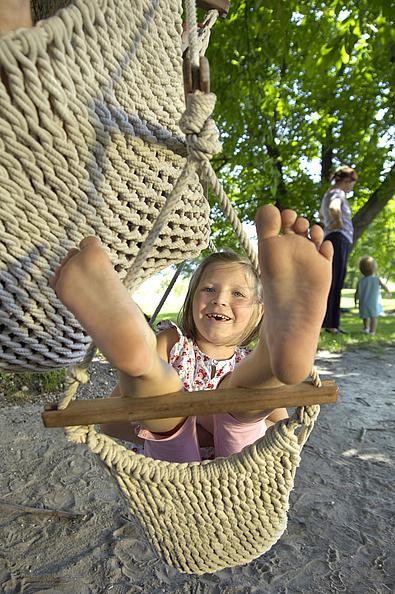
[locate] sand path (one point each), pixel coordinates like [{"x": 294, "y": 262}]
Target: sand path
[{"x": 341, "y": 523}]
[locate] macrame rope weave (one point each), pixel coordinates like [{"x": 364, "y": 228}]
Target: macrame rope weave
[{"x": 199, "y": 517}]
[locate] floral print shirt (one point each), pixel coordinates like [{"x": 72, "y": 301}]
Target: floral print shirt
[{"x": 197, "y": 370}]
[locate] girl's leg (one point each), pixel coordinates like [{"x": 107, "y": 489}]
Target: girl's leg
[
  {"x": 296, "y": 276},
  {"x": 232, "y": 434},
  {"x": 365, "y": 322},
  {"x": 180, "y": 445},
  {"x": 89, "y": 287},
  {"x": 373, "y": 325},
  {"x": 122, "y": 430},
  {"x": 14, "y": 14}
]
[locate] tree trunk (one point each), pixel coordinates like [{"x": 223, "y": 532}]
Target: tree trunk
[
  {"x": 281, "y": 193},
  {"x": 327, "y": 156},
  {"x": 374, "y": 205}
]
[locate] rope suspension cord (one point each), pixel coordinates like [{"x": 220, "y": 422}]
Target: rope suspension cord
[
  {"x": 166, "y": 293},
  {"x": 202, "y": 141}
]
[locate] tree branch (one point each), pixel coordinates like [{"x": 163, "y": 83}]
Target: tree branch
[{"x": 369, "y": 211}]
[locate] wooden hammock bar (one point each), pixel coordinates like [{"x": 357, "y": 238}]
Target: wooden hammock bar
[
  {"x": 221, "y": 5},
  {"x": 184, "y": 404}
]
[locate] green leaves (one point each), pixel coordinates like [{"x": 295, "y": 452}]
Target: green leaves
[{"x": 301, "y": 83}]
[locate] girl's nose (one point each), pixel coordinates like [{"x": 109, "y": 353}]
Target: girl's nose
[{"x": 220, "y": 299}]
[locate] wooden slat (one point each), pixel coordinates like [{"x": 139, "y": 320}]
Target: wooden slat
[
  {"x": 221, "y": 5},
  {"x": 182, "y": 404}
]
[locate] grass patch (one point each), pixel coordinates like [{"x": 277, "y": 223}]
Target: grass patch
[
  {"x": 352, "y": 324},
  {"x": 20, "y": 388}
]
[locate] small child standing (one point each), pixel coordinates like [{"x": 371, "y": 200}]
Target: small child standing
[{"x": 367, "y": 294}]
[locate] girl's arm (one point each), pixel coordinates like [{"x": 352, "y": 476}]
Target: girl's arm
[
  {"x": 335, "y": 211},
  {"x": 277, "y": 415},
  {"x": 384, "y": 286},
  {"x": 165, "y": 341}
]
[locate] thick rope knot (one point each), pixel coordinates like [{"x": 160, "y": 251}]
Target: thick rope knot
[
  {"x": 78, "y": 434},
  {"x": 303, "y": 418},
  {"x": 307, "y": 414},
  {"x": 202, "y": 135},
  {"x": 76, "y": 376}
]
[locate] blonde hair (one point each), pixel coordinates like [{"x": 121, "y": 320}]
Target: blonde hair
[
  {"x": 344, "y": 172},
  {"x": 367, "y": 265},
  {"x": 185, "y": 317}
]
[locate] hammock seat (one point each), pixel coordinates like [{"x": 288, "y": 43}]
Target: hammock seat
[
  {"x": 90, "y": 144},
  {"x": 204, "y": 516}
]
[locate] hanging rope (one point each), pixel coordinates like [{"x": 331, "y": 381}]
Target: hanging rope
[{"x": 166, "y": 293}]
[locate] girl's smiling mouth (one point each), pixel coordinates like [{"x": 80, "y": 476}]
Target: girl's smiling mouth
[{"x": 218, "y": 317}]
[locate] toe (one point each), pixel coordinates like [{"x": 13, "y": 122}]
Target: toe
[
  {"x": 326, "y": 250},
  {"x": 55, "y": 277},
  {"x": 316, "y": 235},
  {"x": 288, "y": 218},
  {"x": 301, "y": 226},
  {"x": 90, "y": 241},
  {"x": 267, "y": 221},
  {"x": 70, "y": 254}
]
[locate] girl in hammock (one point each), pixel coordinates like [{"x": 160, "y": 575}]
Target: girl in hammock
[{"x": 222, "y": 309}]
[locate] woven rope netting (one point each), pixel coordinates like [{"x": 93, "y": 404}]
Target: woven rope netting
[
  {"x": 203, "y": 517},
  {"x": 90, "y": 101}
]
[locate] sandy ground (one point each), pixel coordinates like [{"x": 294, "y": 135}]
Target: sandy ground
[{"x": 341, "y": 521}]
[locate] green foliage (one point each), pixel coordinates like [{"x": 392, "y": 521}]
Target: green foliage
[{"x": 299, "y": 83}]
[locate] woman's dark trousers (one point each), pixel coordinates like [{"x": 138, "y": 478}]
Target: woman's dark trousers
[{"x": 341, "y": 249}]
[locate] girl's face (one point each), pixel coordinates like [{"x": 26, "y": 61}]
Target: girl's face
[{"x": 223, "y": 304}]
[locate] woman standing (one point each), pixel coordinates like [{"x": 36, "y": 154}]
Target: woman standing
[{"x": 335, "y": 214}]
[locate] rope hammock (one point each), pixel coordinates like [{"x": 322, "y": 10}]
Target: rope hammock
[{"x": 91, "y": 142}]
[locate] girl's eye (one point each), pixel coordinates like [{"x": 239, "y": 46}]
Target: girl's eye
[
  {"x": 208, "y": 289},
  {"x": 238, "y": 294}
]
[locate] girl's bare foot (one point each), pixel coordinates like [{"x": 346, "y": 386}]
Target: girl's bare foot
[
  {"x": 296, "y": 270},
  {"x": 89, "y": 287},
  {"x": 14, "y": 14}
]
